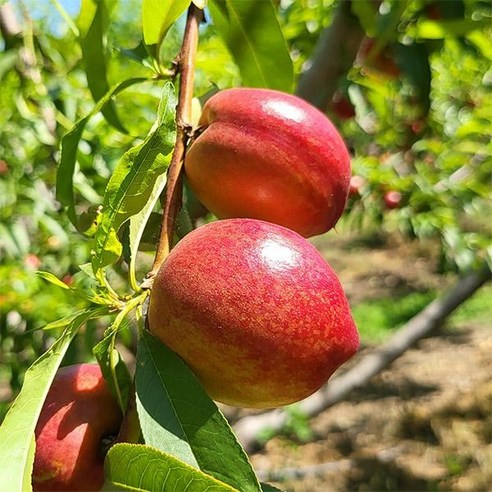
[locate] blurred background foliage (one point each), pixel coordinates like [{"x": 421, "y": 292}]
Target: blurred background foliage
[{"x": 415, "y": 109}]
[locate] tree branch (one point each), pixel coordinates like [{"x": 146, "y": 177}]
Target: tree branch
[
  {"x": 174, "y": 187},
  {"x": 248, "y": 428},
  {"x": 333, "y": 56}
]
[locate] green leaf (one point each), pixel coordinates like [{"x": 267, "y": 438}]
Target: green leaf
[
  {"x": 139, "y": 467},
  {"x": 93, "y": 22},
  {"x": 69, "y": 144},
  {"x": 252, "y": 33},
  {"x": 157, "y": 17},
  {"x": 17, "y": 430},
  {"x": 132, "y": 182},
  {"x": 138, "y": 223},
  {"x": 114, "y": 369},
  {"x": 177, "y": 416},
  {"x": 52, "y": 279},
  {"x": 366, "y": 13},
  {"x": 266, "y": 487},
  {"x": 61, "y": 323}
]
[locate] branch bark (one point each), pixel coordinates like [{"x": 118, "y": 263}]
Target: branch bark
[
  {"x": 333, "y": 56},
  {"x": 174, "y": 187},
  {"x": 248, "y": 428}
]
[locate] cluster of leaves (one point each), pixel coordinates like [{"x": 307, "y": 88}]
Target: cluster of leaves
[{"x": 422, "y": 125}]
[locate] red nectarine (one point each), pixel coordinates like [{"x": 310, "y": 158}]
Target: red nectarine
[
  {"x": 255, "y": 311},
  {"x": 268, "y": 155},
  {"x": 78, "y": 415}
]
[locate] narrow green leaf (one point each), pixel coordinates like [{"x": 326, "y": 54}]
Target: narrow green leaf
[
  {"x": 365, "y": 12},
  {"x": 93, "y": 22},
  {"x": 69, "y": 144},
  {"x": 158, "y": 16},
  {"x": 133, "y": 180},
  {"x": 114, "y": 369},
  {"x": 61, "y": 323},
  {"x": 177, "y": 416},
  {"x": 17, "y": 430},
  {"x": 138, "y": 223},
  {"x": 52, "y": 279},
  {"x": 139, "y": 467},
  {"x": 252, "y": 33}
]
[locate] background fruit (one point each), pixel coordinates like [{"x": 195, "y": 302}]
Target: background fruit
[
  {"x": 254, "y": 310},
  {"x": 78, "y": 414},
  {"x": 392, "y": 199},
  {"x": 269, "y": 155},
  {"x": 356, "y": 184}
]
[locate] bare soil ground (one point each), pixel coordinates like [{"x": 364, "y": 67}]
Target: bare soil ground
[{"x": 423, "y": 424}]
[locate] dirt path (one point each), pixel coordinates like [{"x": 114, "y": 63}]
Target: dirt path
[{"x": 425, "y": 424}]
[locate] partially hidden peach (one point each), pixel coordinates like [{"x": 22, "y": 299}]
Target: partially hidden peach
[{"x": 78, "y": 421}]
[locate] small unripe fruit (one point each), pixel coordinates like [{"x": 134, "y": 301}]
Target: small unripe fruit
[
  {"x": 268, "y": 155},
  {"x": 78, "y": 420},
  {"x": 254, "y": 310}
]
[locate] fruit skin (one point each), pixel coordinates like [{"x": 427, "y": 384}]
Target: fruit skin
[
  {"x": 268, "y": 155},
  {"x": 254, "y": 310},
  {"x": 78, "y": 413}
]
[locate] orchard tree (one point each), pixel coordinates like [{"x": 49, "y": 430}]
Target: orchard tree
[{"x": 119, "y": 138}]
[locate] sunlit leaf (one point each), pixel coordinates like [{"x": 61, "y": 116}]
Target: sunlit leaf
[
  {"x": 132, "y": 182},
  {"x": 93, "y": 22},
  {"x": 69, "y": 145},
  {"x": 52, "y": 279},
  {"x": 252, "y": 33},
  {"x": 428, "y": 29},
  {"x": 178, "y": 417},
  {"x": 158, "y": 16},
  {"x": 139, "y": 467}
]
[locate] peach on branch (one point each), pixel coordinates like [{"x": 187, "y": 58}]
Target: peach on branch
[
  {"x": 254, "y": 310},
  {"x": 78, "y": 422},
  {"x": 268, "y": 155}
]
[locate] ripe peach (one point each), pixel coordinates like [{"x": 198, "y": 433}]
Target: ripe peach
[
  {"x": 268, "y": 155},
  {"x": 78, "y": 416},
  {"x": 254, "y": 310}
]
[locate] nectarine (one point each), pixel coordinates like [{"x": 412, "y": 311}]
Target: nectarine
[
  {"x": 254, "y": 310},
  {"x": 78, "y": 415},
  {"x": 268, "y": 155}
]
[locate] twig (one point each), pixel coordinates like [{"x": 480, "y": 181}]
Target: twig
[
  {"x": 248, "y": 428},
  {"x": 173, "y": 191}
]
